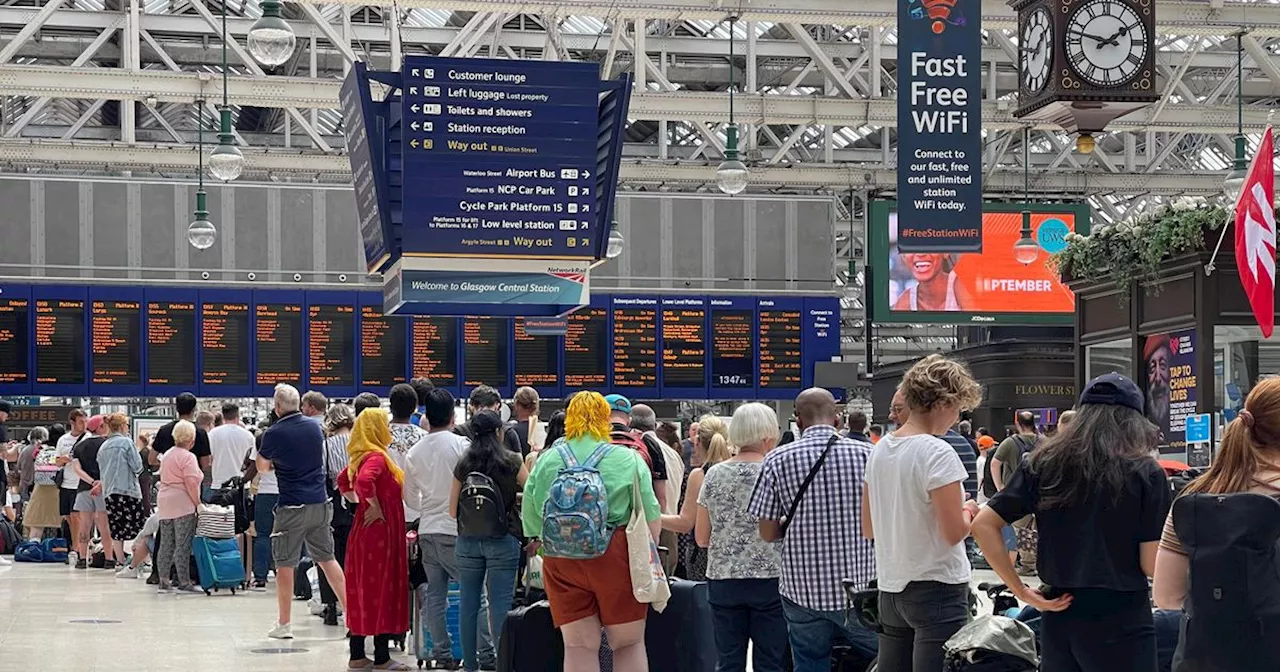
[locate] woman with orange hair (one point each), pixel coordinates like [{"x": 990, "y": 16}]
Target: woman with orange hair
[
  {"x": 587, "y": 593},
  {"x": 377, "y": 562}
]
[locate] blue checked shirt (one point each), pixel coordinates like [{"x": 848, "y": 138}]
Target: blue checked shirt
[{"x": 824, "y": 543}]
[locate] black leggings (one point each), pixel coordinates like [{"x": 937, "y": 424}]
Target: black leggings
[
  {"x": 340, "y": 534},
  {"x": 1104, "y": 630},
  {"x": 381, "y": 648}
]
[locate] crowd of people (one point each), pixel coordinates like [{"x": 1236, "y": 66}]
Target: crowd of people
[{"x": 781, "y": 525}]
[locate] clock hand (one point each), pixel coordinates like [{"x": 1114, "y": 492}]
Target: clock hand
[
  {"x": 1113, "y": 40},
  {"x": 1095, "y": 38}
]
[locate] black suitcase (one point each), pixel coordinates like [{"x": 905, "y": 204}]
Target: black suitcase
[
  {"x": 530, "y": 642},
  {"x": 682, "y": 637}
]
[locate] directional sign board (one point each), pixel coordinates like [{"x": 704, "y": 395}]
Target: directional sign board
[
  {"x": 366, "y": 174},
  {"x": 500, "y": 157},
  {"x": 1198, "y": 428}
]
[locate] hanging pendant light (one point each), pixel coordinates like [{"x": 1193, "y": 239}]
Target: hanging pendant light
[
  {"x": 1026, "y": 250},
  {"x": 731, "y": 175},
  {"x": 616, "y": 242},
  {"x": 271, "y": 39},
  {"x": 1240, "y": 166},
  {"x": 201, "y": 232},
  {"x": 226, "y": 162}
]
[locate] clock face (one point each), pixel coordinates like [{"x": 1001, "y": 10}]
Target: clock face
[
  {"x": 1106, "y": 42},
  {"x": 1036, "y": 44}
]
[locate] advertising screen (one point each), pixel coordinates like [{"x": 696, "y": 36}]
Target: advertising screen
[
  {"x": 975, "y": 287},
  {"x": 1169, "y": 362}
]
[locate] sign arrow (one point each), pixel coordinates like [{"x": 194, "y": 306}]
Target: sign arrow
[
  {"x": 414, "y": 107},
  {"x": 586, "y": 173},
  {"x": 414, "y": 125},
  {"x": 413, "y": 143},
  {"x": 413, "y": 90},
  {"x": 416, "y": 72}
]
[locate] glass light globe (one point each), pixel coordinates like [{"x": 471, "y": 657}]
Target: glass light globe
[
  {"x": 201, "y": 234},
  {"x": 1233, "y": 184},
  {"x": 731, "y": 177},
  {"x": 226, "y": 162},
  {"x": 271, "y": 40},
  {"x": 1026, "y": 251},
  {"x": 614, "y": 248}
]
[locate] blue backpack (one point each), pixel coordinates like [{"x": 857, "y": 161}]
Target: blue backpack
[
  {"x": 576, "y": 514},
  {"x": 55, "y": 549}
]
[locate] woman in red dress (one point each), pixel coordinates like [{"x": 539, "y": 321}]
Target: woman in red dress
[{"x": 377, "y": 563}]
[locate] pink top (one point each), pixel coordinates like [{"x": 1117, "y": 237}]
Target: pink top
[{"x": 180, "y": 478}]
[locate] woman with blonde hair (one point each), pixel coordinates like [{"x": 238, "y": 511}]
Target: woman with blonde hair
[
  {"x": 119, "y": 463},
  {"x": 586, "y": 594},
  {"x": 377, "y": 562},
  {"x": 710, "y": 447}
]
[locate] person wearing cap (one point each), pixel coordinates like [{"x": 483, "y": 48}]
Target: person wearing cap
[
  {"x": 91, "y": 504},
  {"x": 622, "y": 434},
  {"x": 1100, "y": 500},
  {"x": 1155, "y": 352}
]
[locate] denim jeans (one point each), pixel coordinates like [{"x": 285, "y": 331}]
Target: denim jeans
[
  {"x": 917, "y": 621},
  {"x": 440, "y": 562},
  {"x": 264, "y": 521},
  {"x": 748, "y": 610},
  {"x": 485, "y": 562},
  {"x": 813, "y": 633}
]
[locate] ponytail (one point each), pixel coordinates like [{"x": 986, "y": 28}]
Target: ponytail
[
  {"x": 713, "y": 437},
  {"x": 1254, "y": 432},
  {"x": 717, "y": 451}
]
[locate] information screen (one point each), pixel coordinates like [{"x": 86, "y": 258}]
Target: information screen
[
  {"x": 279, "y": 335},
  {"x": 586, "y": 349},
  {"x": 635, "y": 346},
  {"x": 14, "y": 331},
  {"x": 435, "y": 350},
  {"x": 331, "y": 346},
  {"x": 484, "y": 351},
  {"x": 60, "y": 342},
  {"x": 116, "y": 345},
  {"x": 780, "y": 349},
  {"x": 731, "y": 339},
  {"x": 684, "y": 350},
  {"x": 381, "y": 349},
  {"x": 171, "y": 343},
  {"x": 537, "y": 358},
  {"x": 224, "y": 345}
]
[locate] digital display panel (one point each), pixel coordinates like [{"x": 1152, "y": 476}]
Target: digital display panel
[
  {"x": 780, "y": 349},
  {"x": 171, "y": 343},
  {"x": 435, "y": 350},
  {"x": 537, "y": 358},
  {"x": 586, "y": 349},
  {"x": 484, "y": 352},
  {"x": 279, "y": 334},
  {"x": 732, "y": 336},
  {"x": 60, "y": 342},
  {"x": 116, "y": 342},
  {"x": 225, "y": 342},
  {"x": 635, "y": 342},
  {"x": 331, "y": 346},
  {"x": 14, "y": 345},
  {"x": 684, "y": 346},
  {"x": 382, "y": 362}
]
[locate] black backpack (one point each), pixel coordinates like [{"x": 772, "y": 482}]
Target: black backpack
[
  {"x": 1024, "y": 445},
  {"x": 9, "y": 537},
  {"x": 481, "y": 510},
  {"x": 1232, "y": 610}
]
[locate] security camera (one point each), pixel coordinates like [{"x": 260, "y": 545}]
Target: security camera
[
  {"x": 342, "y": 277},
  {"x": 253, "y": 276},
  {"x": 204, "y": 275},
  {"x": 297, "y": 277}
]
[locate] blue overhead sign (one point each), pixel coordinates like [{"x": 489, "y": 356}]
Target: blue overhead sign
[
  {"x": 1198, "y": 428},
  {"x": 500, "y": 158},
  {"x": 368, "y": 176}
]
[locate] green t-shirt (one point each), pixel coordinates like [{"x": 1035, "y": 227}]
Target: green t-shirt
[
  {"x": 1009, "y": 452},
  {"x": 618, "y": 470}
]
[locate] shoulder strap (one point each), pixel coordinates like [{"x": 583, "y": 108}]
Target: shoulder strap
[
  {"x": 808, "y": 479},
  {"x": 600, "y": 451},
  {"x": 567, "y": 455}
]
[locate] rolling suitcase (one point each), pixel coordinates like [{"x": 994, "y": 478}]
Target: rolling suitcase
[
  {"x": 530, "y": 642},
  {"x": 219, "y": 563},
  {"x": 677, "y": 639}
]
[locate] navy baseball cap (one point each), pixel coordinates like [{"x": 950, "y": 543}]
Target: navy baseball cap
[
  {"x": 618, "y": 403},
  {"x": 1113, "y": 389},
  {"x": 5, "y": 407}
]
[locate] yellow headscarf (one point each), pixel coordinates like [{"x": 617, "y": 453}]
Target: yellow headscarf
[{"x": 371, "y": 436}]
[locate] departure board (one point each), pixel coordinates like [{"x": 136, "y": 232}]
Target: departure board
[
  {"x": 14, "y": 340},
  {"x": 115, "y": 344},
  {"x": 381, "y": 349},
  {"x": 331, "y": 346},
  {"x": 684, "y": 347},
  {"x": 224, "y": 345},
  {"x": 60, "y": 342},
  {"x": 171, "y": 343},
  {"x": 635, "y": 343},
  {"x": 537, "y": 358},
  {"x": 435, "y": 350},
  {"x": 586, "y": 349},
  {"x": 484, "y": 352},
  {"x": 731, "y": 340},
  {"x": 279, "y": 335},
  {"x": 780, "y": 351}
]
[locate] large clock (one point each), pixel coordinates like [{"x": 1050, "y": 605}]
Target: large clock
[
  {"x": 1036, "y": 45},
  {"x": 1106, "y": 42}
]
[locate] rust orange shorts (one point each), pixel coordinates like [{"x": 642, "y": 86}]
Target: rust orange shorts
[{"x": 600, "y": 586}]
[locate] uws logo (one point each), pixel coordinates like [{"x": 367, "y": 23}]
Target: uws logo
[{"x": 1180, "y": 345}]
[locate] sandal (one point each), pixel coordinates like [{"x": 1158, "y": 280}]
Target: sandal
[{"x": 393, "y": 665}]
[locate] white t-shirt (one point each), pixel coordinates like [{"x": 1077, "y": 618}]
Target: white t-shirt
[
  {"x": 909, "y": 543},
  {"x": 268, "y": 481},
  {"x": 229, "y": 444},
  {"x": 428, "y": 480},
  {"x": 70, "y": 480}
]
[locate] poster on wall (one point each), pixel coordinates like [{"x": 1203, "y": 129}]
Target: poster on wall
[
  {"x": 940, "y": 125},
  {"x": 1169, "y": 361}
]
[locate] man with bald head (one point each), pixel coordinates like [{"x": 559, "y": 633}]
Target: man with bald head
[
  {"x": 645, "y": 421},
  {"x": 809, "y": 497}
]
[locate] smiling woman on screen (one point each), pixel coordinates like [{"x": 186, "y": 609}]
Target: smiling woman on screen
[{"x": 935, "y": 286}]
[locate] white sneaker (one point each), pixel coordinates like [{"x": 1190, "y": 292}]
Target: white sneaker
[
  {"x": 5, "y": 561},
  {"x": 315, "y": 606},
  {"x": 128, "y": 572},
  {"x": 281, "y": 631}
]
